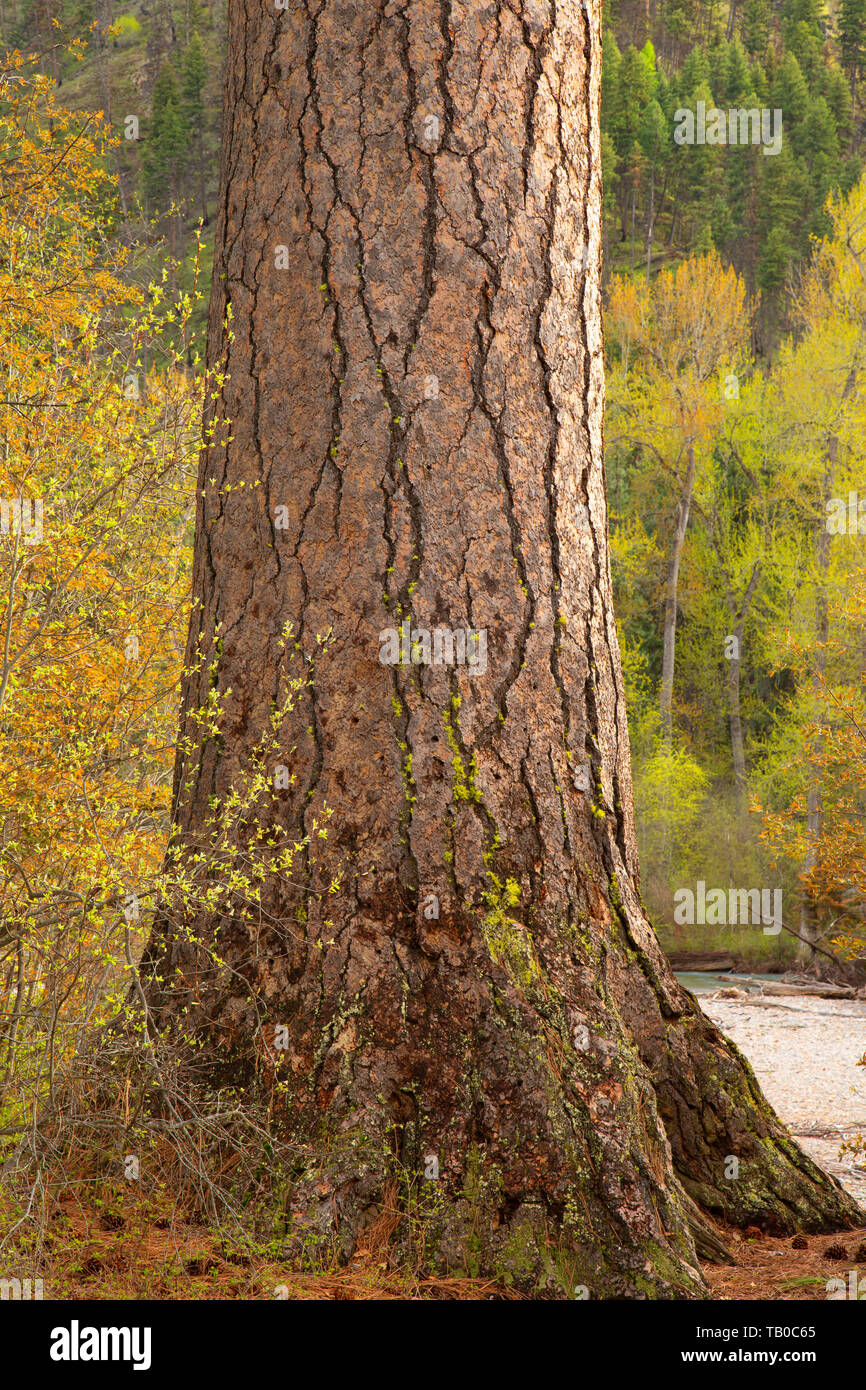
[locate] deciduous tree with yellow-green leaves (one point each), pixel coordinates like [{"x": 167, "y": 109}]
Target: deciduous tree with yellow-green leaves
[{"x": 96, "y": 483}]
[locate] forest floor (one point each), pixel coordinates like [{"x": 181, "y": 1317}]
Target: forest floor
[
  {"x": 98, "y": 1259},
  {"x": 770, "y": 1268}
]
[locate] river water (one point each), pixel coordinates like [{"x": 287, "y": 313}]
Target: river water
[{"x": 702, "y": 982}]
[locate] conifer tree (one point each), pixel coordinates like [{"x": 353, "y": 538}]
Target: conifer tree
[{"x": 194, "y": 79}]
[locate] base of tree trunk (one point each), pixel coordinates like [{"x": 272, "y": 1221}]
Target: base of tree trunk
[{"x": 564, "y": 1152}]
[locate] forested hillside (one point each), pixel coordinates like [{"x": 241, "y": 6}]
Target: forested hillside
[{"x": 758, "y": 209}]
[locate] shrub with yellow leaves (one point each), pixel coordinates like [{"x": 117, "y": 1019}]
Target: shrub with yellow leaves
[{"x": 97, "y": 484}]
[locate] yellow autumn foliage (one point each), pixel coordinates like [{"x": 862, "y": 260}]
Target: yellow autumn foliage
[{"x": 99, "y": 428}]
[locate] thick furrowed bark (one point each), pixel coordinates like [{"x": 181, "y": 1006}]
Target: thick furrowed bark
[{"x": 409, "y": 242}]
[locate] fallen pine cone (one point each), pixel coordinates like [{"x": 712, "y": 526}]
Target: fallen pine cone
[
  {"x": 860, "y": 1253},
  {"x": 835, "y": 1252},
  {"x": 799, "y": 1243},
  {"x": 754, "y": 1233}
]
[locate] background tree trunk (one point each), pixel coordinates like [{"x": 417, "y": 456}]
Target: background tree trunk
[
  {"x": 666, "y": 694},
  {"x": 650, "y": 220},
  {"x": 422, "y": 392},
  {"x": 810, "y": 924},
  {"x": 739, "y": 616}
]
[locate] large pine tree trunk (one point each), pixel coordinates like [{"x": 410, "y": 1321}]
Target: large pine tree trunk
[{"x": 421, "y": 393}]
